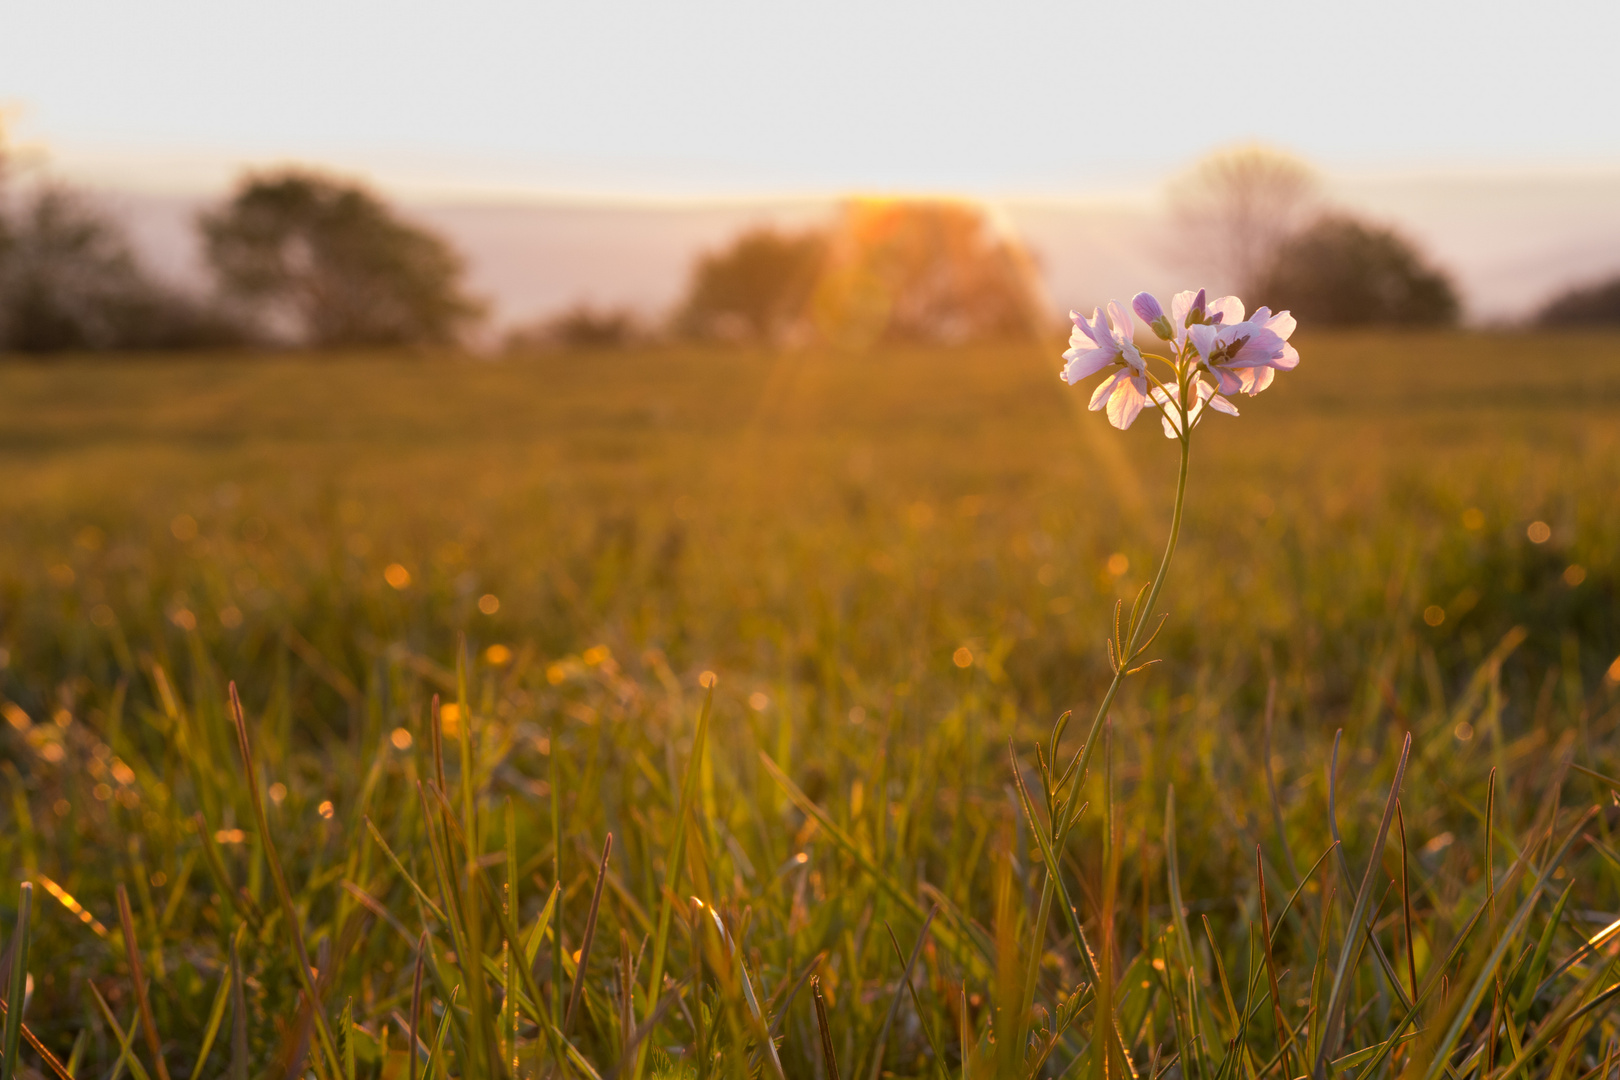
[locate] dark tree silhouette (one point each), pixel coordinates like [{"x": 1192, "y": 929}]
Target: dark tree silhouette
[
  {"x": 755, "y": 289},
  {"x": 1340, "y": 271},
  {"x": 69, "y": 281},
  {"x": 324, "y": 262},
  {"x": 581, "y": 328},
  {"x": 1586, "y": 305}
]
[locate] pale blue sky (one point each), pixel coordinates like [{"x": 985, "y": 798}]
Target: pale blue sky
[{"x": 735, "y": 97}]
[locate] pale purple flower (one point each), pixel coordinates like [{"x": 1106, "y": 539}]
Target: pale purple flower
[
  {"x": 1096, "y": 345},
  {"x": 1203, "y": 393},
  {"x": 1190, "y": 308},
  {"x": 1245, "y": 354}
]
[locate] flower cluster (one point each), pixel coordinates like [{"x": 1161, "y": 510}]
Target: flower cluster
[{"x": 1214, "y": 352}]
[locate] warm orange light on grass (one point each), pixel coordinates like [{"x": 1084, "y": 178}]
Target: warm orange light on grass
[
  {"x": 963, "y": 657},
  {"x": 489, "y": 603},
  {"x": 400, "y": 738},
  {"x": 1434, "y": 614},
  {"x": 396, "y": 575},
  {"x": 497, "y": 655},
  {"x": 67, "y": 900},
  {"x": 1539, "y": 532},
  {"x": 1118, "y": 564}
]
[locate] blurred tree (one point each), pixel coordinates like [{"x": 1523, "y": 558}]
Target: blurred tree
[
  {"x": 925, "y": 271},
  {"x": 69, "y": 281},
  {"x": 1341, "y": 271},
  {"x": 755, "y": 289},
  {"x": 1587, "y": 305},
  {"x": 580, "y": 328},
  {"x": 1233, "y": 210},
  {"x": 326, "y": 263}
]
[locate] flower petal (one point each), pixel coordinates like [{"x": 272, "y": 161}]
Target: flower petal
[
  {"x": 1282, "y": 324},
  {"x": 1099, "y": 396},
  {"x": 1203, "y": 337},
  {"x": 1226, "y": 310},
  {"x": 1220, "y": 404},
  {"x": 1084, "y": 362},
  {"x": 1126, "y": 402}
]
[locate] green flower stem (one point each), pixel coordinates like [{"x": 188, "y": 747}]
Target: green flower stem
[{"x": 1067, "y": 811}]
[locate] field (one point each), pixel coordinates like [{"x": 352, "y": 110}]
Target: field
[{"x": 891, "y": 567}]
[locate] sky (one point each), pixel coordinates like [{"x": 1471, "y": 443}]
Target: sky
[{"x": 716, "y": 98}]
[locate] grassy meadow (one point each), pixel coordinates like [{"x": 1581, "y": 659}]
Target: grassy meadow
[{"x": 890, "y": 567}]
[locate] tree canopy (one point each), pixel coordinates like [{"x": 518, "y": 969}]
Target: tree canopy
[
  {"x": 324, "y": 262},
  {"x": 69, "y": 281},
  {"x": 1235, "y": 208},
  {"x": 1586, "y": 305},
  {"x": 755, "y": 288},
  {"x": 1341, "y": 271},
  {"x": 885, "y": 270}
]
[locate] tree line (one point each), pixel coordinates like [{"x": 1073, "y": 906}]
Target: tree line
[
  {"x": 294, "y": 257},
  {"x": 298, "y": 258}
]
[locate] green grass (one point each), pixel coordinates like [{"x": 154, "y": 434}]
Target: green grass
[{"x": 834, "y": 537}]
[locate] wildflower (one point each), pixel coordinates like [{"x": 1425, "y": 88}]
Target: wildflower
[
  {"x": 1245, "y": 354},
  {"x": 1094, "y": 346}
]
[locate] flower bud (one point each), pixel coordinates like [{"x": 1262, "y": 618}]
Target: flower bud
[{"x": 1199, "y": 312}]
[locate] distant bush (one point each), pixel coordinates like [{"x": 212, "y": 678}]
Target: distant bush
[
  {"x": 323, "y": 262},
  {"x": 888, "y": 270},
  {"x": 581, "y": 328},
  {"x": 755, "y": 289},
  {"x": 69, "y": 281},
  {"x": 905, "y": 270},
  {"x": 1341, "y": 271},
  {"x": 1587, "y": 305}
]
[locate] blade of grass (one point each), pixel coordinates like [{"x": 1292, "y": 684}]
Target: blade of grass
[
  {"x": 672, "y": 870},
  {"x": 216, "y": 1014},
  {"x": 17, "y": 992},
  {"x": 1352, "y": 935},
  {"x": 137, "y": 974},
  {"x": 829, "y": 1058},
  {"x": 947, "y": 937},
  {"x": 578, "y": 990},
  {"x": 126, "y": 1048},
  {"x": 894, "y": 1004},
  {"x": 1464, "y": 1009},
  {"x": 421, "y": 893},
  {"x": 239, "y": 1031},
  {"x": 289, "y": 910},
  {"x": 916, "y": 1003}
]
